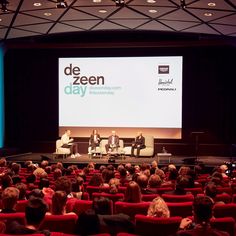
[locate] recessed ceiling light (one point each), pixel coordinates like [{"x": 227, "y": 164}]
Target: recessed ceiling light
[
  {"x": 151, "y": 1},
  {"x": 47, "y": 14},
  {"x": 208, "y": 14},
  {"x": 97, "y": 1},
  {"x": 37, "y": 4},
  {"x": 211, "y": 4},
  {"x": 102, "y": 11},
  {"x": 152, "y": 11}
]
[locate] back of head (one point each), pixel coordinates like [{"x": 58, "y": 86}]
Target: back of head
[
  {"x": 142, "y": 181},
  {"x": 64, "y": 184},
  {"x": 133, "y": 192},
  {"x": 158, "y": 208},
  {"x": 59, "y": 199},
  {"x": 211, "y": 190},
  {"x": 154, "y": 181},
  {"x": 10, "y": 196},
  {"x": 202, "y": 207},
  {"x": 35, "y": 211},
  {"x": 101, "y": 206},
  {"x": 182, "y": 183}
]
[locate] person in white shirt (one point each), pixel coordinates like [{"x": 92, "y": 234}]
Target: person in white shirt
[{"x": 67, "y": 142}]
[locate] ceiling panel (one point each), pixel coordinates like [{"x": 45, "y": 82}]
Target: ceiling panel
[{"x": 24, "y": 19}]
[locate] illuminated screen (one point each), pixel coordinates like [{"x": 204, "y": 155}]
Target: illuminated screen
[{"x": 128, "y": 94}]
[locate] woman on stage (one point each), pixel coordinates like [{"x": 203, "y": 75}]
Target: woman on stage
[{"x": 94, "y": 141}]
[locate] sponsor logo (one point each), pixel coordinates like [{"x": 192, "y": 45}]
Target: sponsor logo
[{"x": 163, "y": 69}]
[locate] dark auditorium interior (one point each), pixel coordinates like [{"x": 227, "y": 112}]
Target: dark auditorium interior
[{"x": 202, "y": 165}]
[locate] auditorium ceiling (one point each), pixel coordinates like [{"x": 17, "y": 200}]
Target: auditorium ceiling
[{"x": 27, "y": 18}]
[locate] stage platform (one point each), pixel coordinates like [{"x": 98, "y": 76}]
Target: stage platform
[{"x": 84, "y": 159}]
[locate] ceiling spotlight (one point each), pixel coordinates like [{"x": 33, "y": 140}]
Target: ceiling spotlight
[
  {"x": 182, "y": 4},
  {"x": 119, "y": 3},
  {"x": 4, "y": 4},
  {"x": 61, "y": 4}
]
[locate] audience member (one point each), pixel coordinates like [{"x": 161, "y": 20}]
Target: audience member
[
  {"x": 10, "y": 196},
  {"x": 202, "y": 213},
  {"x": 133, "y": 193},
  {"x": 158, "y": 208}
]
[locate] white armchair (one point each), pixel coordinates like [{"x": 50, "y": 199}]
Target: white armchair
[{"x": 60, "y": 150}]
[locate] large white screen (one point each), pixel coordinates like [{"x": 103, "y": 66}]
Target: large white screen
[{"x": 143, "y": 92}]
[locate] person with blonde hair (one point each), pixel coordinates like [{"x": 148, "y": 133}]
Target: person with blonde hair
[{"x": 158, "y": 208}]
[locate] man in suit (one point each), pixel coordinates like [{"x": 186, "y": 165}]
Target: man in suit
[
  {"x": 113, "y": 142},
  {"x": 138, "y": 143},
  {"x": 94, "y": 141}
]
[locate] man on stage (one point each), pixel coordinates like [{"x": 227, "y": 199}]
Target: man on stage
[
  {"x": 94, "y": 141},
  {"x": 113, "y": 142},
  {"x": 67, "y": 142},
  {"x": 138, "y": 143}
]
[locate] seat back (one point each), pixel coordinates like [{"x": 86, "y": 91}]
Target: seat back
[
  {"x": 146, "y": 225},
  {"x": 224, "y": 224},
  {"x": 225, "y": 210},
  {"x": 149, "y": 143},
  {"x": 178, "y": 198},
  {"x": 58, "y": 143},
  {"x": 149, "y": 197},
  {"x": 21, "y": 205},
  {"x": 79, "y": 206},
  {"x": 131, "y": 209},
  {"x": 183, "y": 209},
  {"x": 60, "y": 149},
  {"x": 59, "y": 223},
  {"x": 18, "y": 216}
]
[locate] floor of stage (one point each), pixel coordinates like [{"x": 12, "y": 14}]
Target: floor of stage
[{"x": 84, "y": 159}]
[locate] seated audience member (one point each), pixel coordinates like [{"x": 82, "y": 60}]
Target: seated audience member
[
  {"x": 94, "y": 141},
  {"x": 161, "y": 174},
  {"x": 30, "y": 182},
  {"x": 114, "y": 183},
  {"x": 96, "y": 180},
  {"x": 16, "y": 179},
  {"x": 34, "y": 214},
  {"x": 123, "y": 176},
  {"x": 64, "y": 184},
  {"x": 181, "y": 183},
  {"x": 107, "y": 174},
  {"x": 6, "y": 181},
  {"x": 43, "y": 183},
  {"x": 172, "y": 177},
  {"x": 132, "y": 193},
  {"x": 59, "y": 200},
  {"x": 202, "y": 213},
  {"x": 154, "y": 166},
  {"x": 15, "y": 168},
  {"x": 57, "y": 173},
  {"x": 22, "y": 190},
  {"x": 154, "y": 182},
  {"x": 40, "y": 173},
  {"x": 183, "y": 170},
  {"x": 36, "y": 193},
  {"x": 10, "y": 196},
  {"x": 102, "y": 221},
  {"x": 138, "y": 143},
  {"x": 211, "y": 191},
  {"x": 142, "y": 181},
  {"x": 223, "y": 169},
  {"x": 77, "y": 187},
  {"x": 113, "y": 142},
  {"x": 158, "y": 208}
]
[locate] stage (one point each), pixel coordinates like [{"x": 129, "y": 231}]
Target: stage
[{"x": 84, "y": 159}]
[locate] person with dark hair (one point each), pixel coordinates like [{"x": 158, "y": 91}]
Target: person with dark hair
[
  {"x": 142, "y": 181},
  {"x": 64, "y": 184},
  {"x": 182, "y": 182},
  {"x": 6, "y": 181},
  {"x": 43, "y": 183},
  {"x": 15, "y": 168},
  {"x": 59, "y": 200},
  {"x": 94, "y": 141},
  {"x": 76, "y": 187},
  {"x": 36, "y": 193},
  {"x": 34, "y": 214},
  {"x": 138, "y": 143},
  {"x": 96, "y": 180},
  {"x": 202, "y": 213},
  {"x": 10, "y": 196},
  {"x": 102, "y": 221},
  {"x": 133, "y": 193},
  {"x": 30, "y": 182}
]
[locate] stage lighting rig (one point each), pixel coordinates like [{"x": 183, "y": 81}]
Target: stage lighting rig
[
  {"x": 4, "y": 4},
  {"x": 119, "y": 3},
  {"x": 61, "y": 4}
]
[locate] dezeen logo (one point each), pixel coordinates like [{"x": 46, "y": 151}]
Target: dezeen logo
[{"x": 78, "y": 85}]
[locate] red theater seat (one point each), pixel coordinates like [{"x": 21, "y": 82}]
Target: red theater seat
[
  {"x": 183, "y": 209},
  {"x": 96, "y": 189},
  {"x": 146, "y": 225},
  {"x": 194, "y": 191},
  {"x": 131, "y": 209},
  {"x": 149, "y": 197},
  {"x": 18, "y": 216},
  {"x": 21, "y": 204},
  {"x": 224, "y": 224},
  {"x": 60, "y": 223},
  {"x": 78, "y": 206},
  {"x": 225, "y": 210},
  {"x": 178, "y": 198}
]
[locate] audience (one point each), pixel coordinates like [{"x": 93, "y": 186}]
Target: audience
[{"x": 57, "y": 185}]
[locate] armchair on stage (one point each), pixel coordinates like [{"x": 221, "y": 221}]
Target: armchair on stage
[{"x": 148, "y": 151}]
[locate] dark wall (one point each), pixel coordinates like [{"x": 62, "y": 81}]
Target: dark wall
[{"x": 31, "y": 90}]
